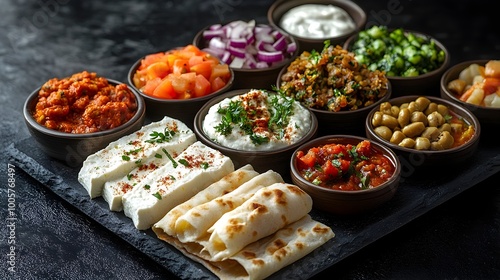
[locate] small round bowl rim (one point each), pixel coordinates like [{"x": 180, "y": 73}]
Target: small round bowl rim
[
  {"x": 199, "y": 118},
  {"x": 199, "y": 36},
  {"x": 136, "y": 65},
  {"x": 30, "y": 100},
  {"x": 272, "y": 9},
  {"x": 432, "y": 73},
  {"x": 387, "y": 151},
  {"x": 447, "y": 78},
  {"x": 462, "y": 111}
]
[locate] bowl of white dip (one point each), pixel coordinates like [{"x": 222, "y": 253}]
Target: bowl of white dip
[
  {"x": 312, "y": 22},
  {"x": 257, "y": 127}
]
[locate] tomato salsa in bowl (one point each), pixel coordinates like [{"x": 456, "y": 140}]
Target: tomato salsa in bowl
[
  {"x": 177, "y": 82},
  {"x": 75, "y": 116},
  {"x": 346, "y": 174}
]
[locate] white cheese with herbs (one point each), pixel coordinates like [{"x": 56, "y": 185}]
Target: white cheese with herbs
[
  {"x": 114, "y": 190},
  {"x": 180, "y": 179},
  {"x": 257, "y": 121},
  {"x": 123, "y": 155}
]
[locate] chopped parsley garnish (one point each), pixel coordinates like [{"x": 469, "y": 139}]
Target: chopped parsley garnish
[
  {"x": 129, "y": 176},
  {"x": 280, "y": 113},
  {"x": 158, "y": 156},
  {"x": 280, "y": 109},
  {"x": 147, "y": 187},
  {"x": 131, "y": 152},
  {"x": 157, "y": 195},
  {"x": 161, "y": 137},
  {"x": 205, "y": 165},
  {"x": 174, "y": 163},
  {"x": 183, "y": 162}
]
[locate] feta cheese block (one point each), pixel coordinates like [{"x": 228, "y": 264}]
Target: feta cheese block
[
  {"x": 184, "y": 176},
  {"x": 125, "y": 154},
  {"x": 114, "y": 190}
]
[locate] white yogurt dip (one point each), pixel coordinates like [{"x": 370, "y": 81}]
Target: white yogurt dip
[
  {"x": 317, "y": 21},
  {"x": 272, "y": 121}
]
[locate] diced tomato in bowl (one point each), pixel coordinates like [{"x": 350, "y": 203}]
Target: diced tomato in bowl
[{"x": 179, "y": 81}]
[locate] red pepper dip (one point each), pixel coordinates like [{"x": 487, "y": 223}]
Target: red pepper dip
[
  {"x": 84, "y": 103},
  {"x": 345, "y": 167}
]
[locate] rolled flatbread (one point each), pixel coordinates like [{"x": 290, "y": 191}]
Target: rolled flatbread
[
  {"x": 268, "y": 210},
  {"x": 268, "y": 255},
  {"x": 225, "y": 185},
  {"x": 194, "y": 224}
]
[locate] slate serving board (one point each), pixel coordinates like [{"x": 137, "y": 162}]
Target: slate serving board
[{"x": 418, "y": 193}]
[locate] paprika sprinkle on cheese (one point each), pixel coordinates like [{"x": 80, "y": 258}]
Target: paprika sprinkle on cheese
[{"x": 84, "y": 103}]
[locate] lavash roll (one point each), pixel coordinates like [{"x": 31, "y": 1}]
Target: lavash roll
[
  {"x": 268, "y": 255},
  {"x": 195, "y": 223},
  {"x": 268, "y": 210},
  {"x": 225, "y": 185}
]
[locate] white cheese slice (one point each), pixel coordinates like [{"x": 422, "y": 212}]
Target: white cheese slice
[
  {"x": 123, "y": 155},
  {"x": 114, "y": 190},
  {"x": 187, "y": 174}
]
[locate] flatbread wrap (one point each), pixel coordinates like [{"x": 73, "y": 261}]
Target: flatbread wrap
[
  {"x": 268, "y": 210},
  {"x": 221, "y": 187},
  {"x": 194, "y": 224}
]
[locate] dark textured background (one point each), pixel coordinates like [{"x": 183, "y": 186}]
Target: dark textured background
[{"x": 43, "y": 39}]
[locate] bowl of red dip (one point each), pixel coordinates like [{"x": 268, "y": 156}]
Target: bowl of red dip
[
  {"x": 75, "y": 116},
  {"x": 345, "y": 174}
]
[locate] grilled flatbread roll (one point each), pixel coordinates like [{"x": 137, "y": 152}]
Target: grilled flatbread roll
[
  {"x": 195, "y": 223},
  {"x": 268, "y": 210},
  {"x": 225, "y": 185},
  {"x": 268, "y": 255},
  {"x": 249, "y": 232}
]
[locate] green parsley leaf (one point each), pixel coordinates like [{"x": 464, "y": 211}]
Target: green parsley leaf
[
  {"x": 157, "y": 195},
  {"x": 161, "y": 137},
  {"x": 170, "y": 158}
]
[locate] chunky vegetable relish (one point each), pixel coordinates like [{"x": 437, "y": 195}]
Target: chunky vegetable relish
[
  {"x": 345, "y": 167},
  {"x": 332, "y": 80},
  {"x": 84, "y": 103}
]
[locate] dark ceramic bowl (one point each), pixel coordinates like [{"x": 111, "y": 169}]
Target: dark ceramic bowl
[
  {"x": 280, "y": 7},
  {"x": 183, "y": 110},
  {"x": 72, "y": 148},
  {"x": 425, "y": 84},
  {"x": 343, "y": 202},
  {"x": 489, "y": 117},
  {"x": 343, "y": 122},
  {"x": 262, "y": 78},
  {"x": 262, "y": 161},
  {"x": 426, "y": 159}
]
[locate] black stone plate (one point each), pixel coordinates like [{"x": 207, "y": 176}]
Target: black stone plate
[{"x": 418, "y": 193}]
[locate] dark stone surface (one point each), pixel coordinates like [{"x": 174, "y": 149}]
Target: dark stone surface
[{"x": 455, "y": 234}]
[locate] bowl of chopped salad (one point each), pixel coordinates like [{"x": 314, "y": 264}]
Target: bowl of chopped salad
[
  {"x": 177, "y": 82},
  {"x": 346, "y": 174},
  {"x": 339, "y": 90},
  {"x": 254, "y": 51},
  {"x": 475, "y": 85},
  {"x": 413, "y": 61}
]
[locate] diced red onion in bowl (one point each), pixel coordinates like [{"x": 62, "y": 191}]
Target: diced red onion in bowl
[{"x": 247, "y": 44}]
